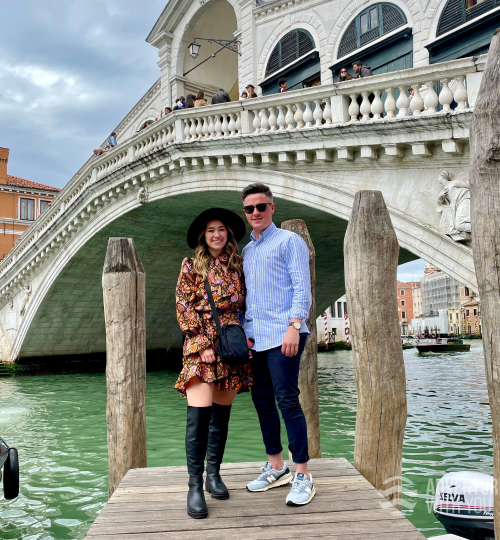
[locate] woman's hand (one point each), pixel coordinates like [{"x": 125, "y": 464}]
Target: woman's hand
[{"x": 207, "y": 355}]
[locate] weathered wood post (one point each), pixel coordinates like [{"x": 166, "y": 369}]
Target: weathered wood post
[
  {"x": 484, "y": 175},
  {"x": 370, "y": 266},
  {"x": 124, "y": 291},
  {"x": 308, "y": 374}
]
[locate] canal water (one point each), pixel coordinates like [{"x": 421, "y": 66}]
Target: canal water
[{"x": 58, "y": 423}]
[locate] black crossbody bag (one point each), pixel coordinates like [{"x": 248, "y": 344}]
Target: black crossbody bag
[{"x": 233, "y": 347}]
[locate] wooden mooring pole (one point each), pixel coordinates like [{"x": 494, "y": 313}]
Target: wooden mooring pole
[
  {"x": 484, "y": 177},
  {"x": 308, "y": 374},
  {"x": 370, "y": 265},
  {"x": 124, "y": 292}
]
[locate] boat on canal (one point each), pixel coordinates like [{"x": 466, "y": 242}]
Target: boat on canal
[{"x": 443, "y": 344}]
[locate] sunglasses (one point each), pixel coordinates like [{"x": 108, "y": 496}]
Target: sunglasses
[{"x": 261, "y": 207}]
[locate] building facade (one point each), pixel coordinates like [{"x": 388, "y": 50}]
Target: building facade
[
  {"x": 21, "y": 202},
  {"x": 405, "y": 305},
  {"x": 335, "y": 321}
]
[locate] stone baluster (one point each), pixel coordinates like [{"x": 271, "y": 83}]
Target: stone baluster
[
  {"x": 416, "y": 103},
  {"x": 238, "y": 122},
  {"x": 365, "y": 108},
  {"x": 225, "y": 125},
  {"x": 318, "y": 113},
  {"x": 264, "y": 121},
  {"x": 308, "y": 114},
  {"x": 289, "y": 117},
  {"x": 218, "y": 126},
  {"x": 377, "y": 106},
  {"x": 140, "y": 150},
  {"x": 272, "y": 119},
  {"x": 192, "y": 129},
  {"x": 256, "y": 121},
  {"x": 232, "y": 125},
  {"x": 149, "y": 145},
  {"x": 211, "y": 126},
  {"x": 460, "y": 94},
  {"x": 353, "y": 108},
  {"x": 390, "y": 103},
  {"x": 204, "y": 128},
  {"x": 403, "y": 102},
  {"x": 156, "y": 141},
  {"x": 187, "y": 129},
  {"x": 445, "y": 96},
  {"x": 281, "y": 118},
  {"x": 299, "y": 115},
  {"x": 431, "y": 100},
  {"x": 164, "y": 137},
  {"x": 199, "y": 128},
  {"x": 170, "y": 134},
  {"x": 327, "y": 113}
]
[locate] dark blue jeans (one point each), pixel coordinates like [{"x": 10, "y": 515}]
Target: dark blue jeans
[{"x": 276, "y": 378}]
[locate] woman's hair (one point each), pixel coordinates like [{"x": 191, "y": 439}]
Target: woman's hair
[
  {"x": 202, "y": 255},
  {"x": 190, "y": 101},
  {"x": 200, "y": 95}
]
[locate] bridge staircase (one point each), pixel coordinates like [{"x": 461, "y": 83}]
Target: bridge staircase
[{"x": 4, "y": 372}]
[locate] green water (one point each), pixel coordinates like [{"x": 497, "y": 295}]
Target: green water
[{"x": 58, "y": 424}]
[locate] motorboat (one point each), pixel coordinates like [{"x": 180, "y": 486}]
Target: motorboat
[
  {"x": 464, "y": 504},
  {"x": 437, "y": 345},
  {"x": 9, "y": 462}
]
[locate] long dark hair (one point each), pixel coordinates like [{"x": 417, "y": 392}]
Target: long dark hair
[{"x": 190, "y": 101}]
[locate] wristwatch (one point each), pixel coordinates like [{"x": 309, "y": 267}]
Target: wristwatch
[{"x": 296, "y": 325}]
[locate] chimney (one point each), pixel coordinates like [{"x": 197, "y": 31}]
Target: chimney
[{"x": 4, "y": 158}]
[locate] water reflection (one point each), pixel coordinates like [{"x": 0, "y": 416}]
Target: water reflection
[{"x": 58, "y": 423}]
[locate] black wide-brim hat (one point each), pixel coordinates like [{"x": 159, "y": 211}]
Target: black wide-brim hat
[{"x": 229, "y": 218}]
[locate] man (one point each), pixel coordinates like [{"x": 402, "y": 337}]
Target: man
[
  {"x": 282, "y": 83},
  {"x": 361, "y": 70},
  {"x": 220, "y": 97},
  {"x": 276, "y": 266},
  {"x": 112, "y": 139},
  {"x": 251, "y": 91}
]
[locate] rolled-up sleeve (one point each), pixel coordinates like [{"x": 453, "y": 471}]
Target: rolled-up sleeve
[{"x": 297, "y": 258}]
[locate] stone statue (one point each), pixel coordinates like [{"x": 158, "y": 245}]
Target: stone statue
[
  {"x": 26, "y": 297},
  {"x": 454, "y": 206},
  {"x": 142, "y": 196}
]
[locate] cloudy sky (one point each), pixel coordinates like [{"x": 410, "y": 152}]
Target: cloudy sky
[{"x": 69, "y": 72}]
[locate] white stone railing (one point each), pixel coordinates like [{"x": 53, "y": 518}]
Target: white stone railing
[{"x": 321, "y": 107}]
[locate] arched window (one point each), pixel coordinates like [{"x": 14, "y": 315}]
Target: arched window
[
  {"x": 290, "y": 47},
  {"x": 370, "y": 24},
  {"x": 457, "y": 12}
]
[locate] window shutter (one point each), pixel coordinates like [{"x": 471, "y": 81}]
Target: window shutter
[
  {"x": 369, "y": 36},
  {"x": 392, "y": 18},
  {"x": 291, "y": 46},
  {"x": 452, "y": 16},
  {"x": 306, "y": 44},
  {"x": 479, "y": 9},
  {"x": 288, "y": 48},
  {"x": 348, "y": 42},
  {"x": 273, "y": 64}
]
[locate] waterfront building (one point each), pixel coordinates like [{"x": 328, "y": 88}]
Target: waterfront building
[
  {"x": 21, "y": 202},
  {"x": 335, "y": 315},
  {"x": 472, "y": 317},
  {"x": 417, "y": 299},
  {"x": 405, "y": 305}
]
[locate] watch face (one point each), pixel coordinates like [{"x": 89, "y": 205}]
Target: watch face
[{"x": 297, "y": 325}]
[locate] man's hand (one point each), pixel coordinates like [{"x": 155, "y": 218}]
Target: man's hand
[
  {"x": 290, "y": 345},
  {"x": 207, "y": 355}
]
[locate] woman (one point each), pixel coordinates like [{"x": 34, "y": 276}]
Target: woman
[
  {"x": 209, "y": 384},
  {"x": 200, "y": 99},
  {"x": 345, "y": 75},
  {"x": 190, "y": 99}
]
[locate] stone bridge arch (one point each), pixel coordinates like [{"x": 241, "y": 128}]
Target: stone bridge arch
[{"x": 65, "y": 315}]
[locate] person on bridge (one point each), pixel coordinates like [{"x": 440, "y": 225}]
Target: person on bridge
[
  {"x": 276, "y": 266},
  {"x": 221, "y": 96},
  {"x": 209, "y": 384}
]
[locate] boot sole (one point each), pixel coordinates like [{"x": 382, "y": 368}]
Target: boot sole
[
  {"x": 197, "y": 515},
  {"x": 281, "y": 482},
  {"x": 218, "y": 497}
]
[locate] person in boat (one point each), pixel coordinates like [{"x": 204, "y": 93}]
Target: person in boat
[{"x": 209, "y": 385}]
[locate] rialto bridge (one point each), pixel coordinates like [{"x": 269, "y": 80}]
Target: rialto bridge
[{"x": 315, "y": 148}]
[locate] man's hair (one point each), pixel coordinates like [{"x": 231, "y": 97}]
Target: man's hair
[
  {"x": 252, "y": 189},
  {"x": 357, "y": 63},
  {"x": 113, "y": 134},
  {"x": 281, "y": 81}
]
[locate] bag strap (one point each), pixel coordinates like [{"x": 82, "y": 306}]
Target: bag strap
[{"x": 212, "y": 305}]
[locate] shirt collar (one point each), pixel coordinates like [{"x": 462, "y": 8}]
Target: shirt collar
[{"x": 264, "y": 234}]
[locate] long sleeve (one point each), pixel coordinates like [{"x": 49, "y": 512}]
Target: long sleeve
[
  {"x": 189, "y": 319},
  {"x": 297, "y": 259}
]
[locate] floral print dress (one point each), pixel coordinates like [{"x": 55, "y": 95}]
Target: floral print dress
[{"x": 196, "y": 322}]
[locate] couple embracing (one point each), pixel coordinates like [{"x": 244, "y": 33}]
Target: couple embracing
[{"x": 267, "y": 288}]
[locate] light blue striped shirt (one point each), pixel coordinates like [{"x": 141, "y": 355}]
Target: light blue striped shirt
[{"x": 278, "y": 286}]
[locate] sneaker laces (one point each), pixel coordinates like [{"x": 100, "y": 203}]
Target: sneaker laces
[
  {"x": 299, "y": 484},
  {"x": 265, "y": 471}
]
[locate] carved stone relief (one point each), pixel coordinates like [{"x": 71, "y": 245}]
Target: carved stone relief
[
  {"x": 142, "y": 196},
  {"x": 454, "y": 206},
  {"x": 26, "y": 296}
]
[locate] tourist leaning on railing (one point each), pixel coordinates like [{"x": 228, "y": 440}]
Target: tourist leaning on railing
[
  {"x": 180, "y": 104},
  {"x": 190, "y": 99},
  {"x": 361, "y": 70},
  {"x": 251, "y": 91},
  {"x": 220, "y": 97},
  {"x": 244, "y": 95},
  {"x": 345, "y": 75},
  {"x": 200, "y": 99},
  {"x": 282, "y": 83},
  {"x": 112, "y": 139}
]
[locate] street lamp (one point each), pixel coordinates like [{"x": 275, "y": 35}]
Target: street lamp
[{"x": 194, "y": 49}]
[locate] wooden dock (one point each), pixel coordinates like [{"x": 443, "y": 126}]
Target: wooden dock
[{"x": 150, "y": 504}]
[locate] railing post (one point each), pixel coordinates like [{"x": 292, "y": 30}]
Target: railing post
[
  {"x": 131, "y": 153},
  {"x": 178, "y": 130},
  {"x": 124, "y": 293},
  {"x": 308, "y": 374},
  {"x": 371, "y": 253},
  {"x": 340, "y": 109},
  {"x": 246, "y": 122}
]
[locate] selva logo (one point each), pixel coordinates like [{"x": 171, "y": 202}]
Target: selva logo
[{"x": 452, "y": 497}]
